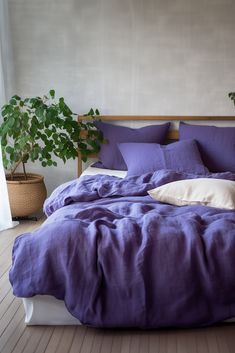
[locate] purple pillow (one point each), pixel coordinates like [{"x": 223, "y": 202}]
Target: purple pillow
[
  {"x": 110, "y": 156},
  {"x": 216, "y": 145},
  {"x": 182, "y": 156}
]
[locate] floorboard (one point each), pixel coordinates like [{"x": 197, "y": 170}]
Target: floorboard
[{"x": 15, "y": 337}]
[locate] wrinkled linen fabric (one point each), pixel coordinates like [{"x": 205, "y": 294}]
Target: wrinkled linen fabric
[
  {"x": 121, "y": 259},
  {"x": 216, "y": 145},
  {"x": 181, "y": 156},
  {"x": 109, "y": 154}
]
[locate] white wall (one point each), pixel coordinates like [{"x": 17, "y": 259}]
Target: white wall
[{"x": 126, "y": 57}]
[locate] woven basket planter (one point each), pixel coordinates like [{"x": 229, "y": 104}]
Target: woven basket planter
[{"x": 26, "y": 196}]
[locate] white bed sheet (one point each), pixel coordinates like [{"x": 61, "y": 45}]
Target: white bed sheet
[
  {"x": 93, "y": 171},
  {"x": 47, "y": 310}
]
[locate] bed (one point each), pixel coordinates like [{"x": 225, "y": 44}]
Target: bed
[{"x": 43, "y": 309}]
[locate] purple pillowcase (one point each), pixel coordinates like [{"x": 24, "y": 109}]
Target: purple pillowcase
[
  {"x": 110, "y": 156},
  {"x": 180, "y": 156},
  {"x": 216, "y": 145}
]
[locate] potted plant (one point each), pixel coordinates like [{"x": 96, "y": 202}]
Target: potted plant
[{"x": 40, "y": 128}]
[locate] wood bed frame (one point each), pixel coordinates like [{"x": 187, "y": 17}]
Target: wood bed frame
[{"x": 172, "y": 135}]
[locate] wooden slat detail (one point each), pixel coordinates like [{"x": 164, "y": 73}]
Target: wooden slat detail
[
  {"x": 222, "y": 341},
  {"x": 66, "y": 339},
  {"x": 45, "y": 339},
  {"x": 11, "y": 328},
  {"x": 186, "y": 342},
  {"x": 126, "y": 342},
  {"x": 171, "y": 342},
  {"x": 6, "y": 303},
  {"x": 107, "y": 342},
  {"x": 212, "y": 342},
  {"x": 117, "y": 342},
  {"x": 22, "y": 342},
  {"x": 88, "y": 341},
  {"x": 5, "y": 261},
  {"x": 78, "y": 339},
  {"x": 55, "y": 340},
  {"x": 156, "y": 118},
  {"x": 4, "y": 286},
  {"x": 9, "y": 314},
  {"x": 97, "y": 343},
  {"x": 201, "y": 343},
  {"x": 14, "y": 337},
  {"x": 34, "y": 339},
  {"x": 163, "y": 342},
  {"x": 173, "y": 135},
  {"x": 5, "y": 246},
  {"x": 135, "y": 343},
  {"x": 228, "y": 334}
]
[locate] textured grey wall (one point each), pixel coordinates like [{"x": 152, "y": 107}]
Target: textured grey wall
[{"x": 126, "y": 56}]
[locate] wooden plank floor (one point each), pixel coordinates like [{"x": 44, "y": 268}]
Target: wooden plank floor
[{"x": 15, "y": 337}]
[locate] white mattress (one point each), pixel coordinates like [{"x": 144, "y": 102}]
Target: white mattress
[{"x": 47, "y": 310}]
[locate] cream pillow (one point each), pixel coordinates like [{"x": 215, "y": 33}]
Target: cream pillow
[{"x": 218, "y": 193}]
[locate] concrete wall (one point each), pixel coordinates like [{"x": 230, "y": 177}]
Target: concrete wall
[{"x": 126, "y": 57}]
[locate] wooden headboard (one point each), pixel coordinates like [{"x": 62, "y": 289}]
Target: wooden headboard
[{"x": 172, "y": 135}]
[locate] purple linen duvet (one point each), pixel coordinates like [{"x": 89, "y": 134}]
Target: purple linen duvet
[{"x": 120, "y": 259}]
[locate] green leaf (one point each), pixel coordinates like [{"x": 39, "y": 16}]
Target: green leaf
[
  {"x": 39, "y": 112},
  {"x": 11, "y": 122},
  {"x": 52, "y": 93},
  {"x": 9, "y": 149},
  {"x": 64, "y": 108},
  {"x": 91, "y": 112},
  {"x": 232, "y": 96},
  {"x": 48, "y": 132},
  {"x": 49, "y": 162},
  {"x": 13, "y": 101},
  {"x": 16, "y": 98},
  {"x": 25, "y": 158},
  {"x": 3, "y": 141},
  {"x": 34, "y": 154},
  {"x": 5, "y": 111}
]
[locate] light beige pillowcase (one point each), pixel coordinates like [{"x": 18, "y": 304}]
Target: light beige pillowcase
[{"x": 218, "y": 193}]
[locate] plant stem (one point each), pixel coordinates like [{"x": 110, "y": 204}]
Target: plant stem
[
  {"x": 17, "y": 164},
  {"x": 25, "y": 175}
]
